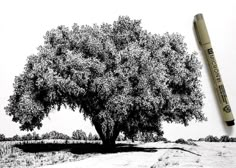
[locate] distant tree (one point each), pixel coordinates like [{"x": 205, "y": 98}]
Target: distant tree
[
  {"x": 64, "y": 136},
  {"x": 224, "y": 138},
  {"x": 148, "y": 137},
  {"x": 181, "y": 141},
  {"x": 190, "y": 139},
  {"x": 79, "y": 135},
  {"x": 8, "y": 139},
  {"x": 16, "y": 138},
  {"x": 232, "y": 139},
  {"x": 45, "y": 136},
  {"x": 96, "y": 137},
  {"x": 55, "y": 135},
  {"x": 160, "y": 138},
  {"x": 201, "y": 139},
  {"x": 121, "y": 77},
  {"x": 211, "y": 138},
  {"x": 35, "y": 136},
  {"x": 90, "y": 136},
  {"x": 27, "y": 137},
  {"x": 2, "y": 137}
]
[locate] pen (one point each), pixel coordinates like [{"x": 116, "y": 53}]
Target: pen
[{"x": 204, "y": 41}]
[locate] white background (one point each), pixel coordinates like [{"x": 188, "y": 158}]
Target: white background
[{"x": 24, "y": 23}]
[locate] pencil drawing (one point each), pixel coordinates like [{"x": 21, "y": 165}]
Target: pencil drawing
[{"x": 126, "y": 81}]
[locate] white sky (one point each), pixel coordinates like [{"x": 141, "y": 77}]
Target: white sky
[{"x": 25, "y": 22}]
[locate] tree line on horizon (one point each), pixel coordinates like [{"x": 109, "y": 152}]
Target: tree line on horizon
[
  {"x": 81, "y": 135},
  {"x": 76, "y": 135}
]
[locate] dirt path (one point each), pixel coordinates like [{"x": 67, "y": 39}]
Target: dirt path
[
  {"x": 120, "y": 160},
  {"x": 171, "y": 155}
]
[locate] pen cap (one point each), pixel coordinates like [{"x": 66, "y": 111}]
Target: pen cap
[{"x": 201, "y": 29}]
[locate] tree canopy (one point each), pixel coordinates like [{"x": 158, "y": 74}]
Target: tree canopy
[{"x": 118, "y": 75}]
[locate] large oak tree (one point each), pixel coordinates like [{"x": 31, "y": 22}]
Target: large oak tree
[{"x": 118, "y": 75}]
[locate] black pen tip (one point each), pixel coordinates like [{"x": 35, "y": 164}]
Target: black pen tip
[{"x": 230, "y": 123}]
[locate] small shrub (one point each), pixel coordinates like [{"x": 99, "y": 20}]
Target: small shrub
[
  {"x": 181, "y": 141},
  {"x": 191, "y": 140},
  {"x": 16, "y": 138},
  {"x": 232, "y": 139},
  {"x": 2, "y": 137},
  {"x": 96, "y": 137},
  {"x": 90, "y": 136},
  {"x": 201, "y": 139},
  {"x": 79, "y": 135},
  {"x": 160, "y": 138},
  {"x": 225, "y": 138},
  {"x": 211, "y": 138}
]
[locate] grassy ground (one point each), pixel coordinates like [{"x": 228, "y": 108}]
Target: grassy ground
[
  {"x": 88, "y": 155},
  {"x": 204, "y": 155},
  {"x": 47, "y": 152}
]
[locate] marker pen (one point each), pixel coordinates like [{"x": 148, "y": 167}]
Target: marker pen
[{"x": 204, "y": 41}]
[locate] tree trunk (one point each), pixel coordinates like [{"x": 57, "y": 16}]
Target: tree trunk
[{"x": 108, "y": 138}]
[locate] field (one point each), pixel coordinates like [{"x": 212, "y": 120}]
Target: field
[
  {"x": 205, "y": 155},
  {"x": 79, "y": 154},
  {"x": 46, "y": 152}
]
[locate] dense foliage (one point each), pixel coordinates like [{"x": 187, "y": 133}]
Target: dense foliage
[
  {"x": 118, "y": 75},
  {"x": 2, "y": 137},
  {"x": 55, "y": 135},
  {"x": 79, "y": 135}
]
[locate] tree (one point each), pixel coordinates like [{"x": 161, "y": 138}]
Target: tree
[
  {"x": 16, "y": 138},
  {"x": 118, "y": 75},
  {"x": 79, "y": 135},
  {"x": 90, "y": 136},
  {"x": 96, "y": 137},
  {"x": 35, "y": 136},
  {"x": 54, "y": 135},
  {"x": 211, "y": 138},
  {"x": 224, "y": 138},
  {"x": 27, "y": 137},
  {"x": 2, "y": 137},
  {"x": 45, "y": 136}
]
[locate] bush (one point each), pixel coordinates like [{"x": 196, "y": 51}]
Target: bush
[
  {"x": 144, "y": 136},
  {"x": 2, "y": 137},
  {"x": 79, "y": 135},
  {"x": 55, "y": 135},
  {"x": 16, "y": 138},
  {"x": 201, "y": 139},
  {"x": 181, "y": 141},
  {"x": 35, "y": 136},
  {"x": 160, "y": 138},
  {"x": 191, "y": 140},
  {"x": 232, "y": 139},
  {"x": 211, "y": 138},
  {"x": 96, "y": 137},
  {"x": 45, "y": 136},
  {"x": 27, "y": 137},
  {"x": 225, "y": 138},
  {"x": 90, "y": 136}
]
